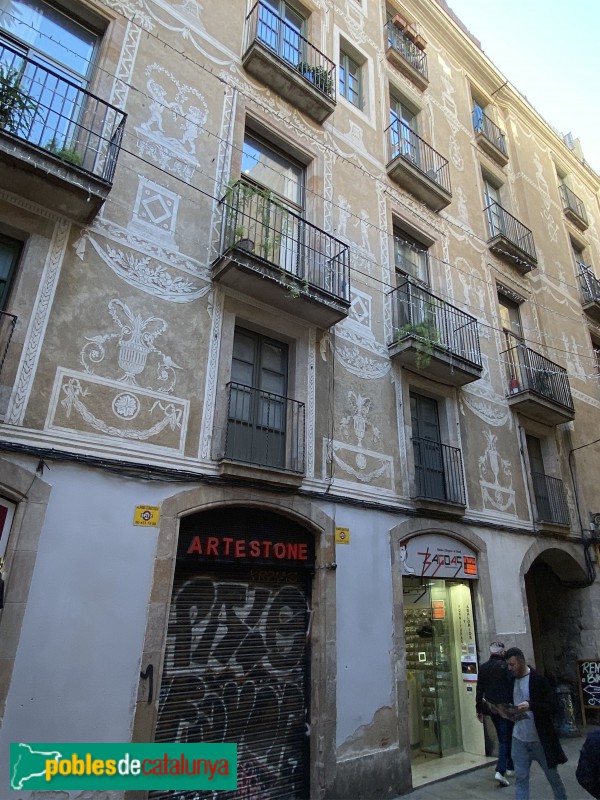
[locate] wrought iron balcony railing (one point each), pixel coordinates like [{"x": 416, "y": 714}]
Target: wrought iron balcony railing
[
  {"x": 264, "y": 429},
  {"x": 46, "y": 110},
  {"x": 255, "y": 223},
  {"x": 417, "y": 312},
  {"x": 501, "y": 223},
  {"x": 265, "y": 26},
  {"x": 488, "y": 128},
  {"x": 550, "y": 499},
  {"x": 572, "y": 203},
  {"x": 590, "y": 285},
  {"x": 438, "y": 472},
  {"x": 7, "y": 327},
  {"x": 527, "y": 370},
  {"x": 406, "y": 48},
  {"x": 404, "y": 142}
]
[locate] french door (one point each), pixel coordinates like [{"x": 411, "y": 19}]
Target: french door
[
  {"x": 427, "y": 448},
  {"x": 256, "y": 428}
]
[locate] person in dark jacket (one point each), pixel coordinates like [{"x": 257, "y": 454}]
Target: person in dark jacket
[
  {"x": 494, "y": 686},
  {"x": 588, "y": 767},
  {"x": 534, "y": 735}
]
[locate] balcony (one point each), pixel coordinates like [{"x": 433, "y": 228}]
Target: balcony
[
  {"x": 439, "y": 476},
  {"x": 510, "y": 239},
  {"x": 489, "y": 136},
  {"x": 573, "y": 208},
  {"x": 273, "y": 255},
  {"x": 590, "y": 292},
  {"x": 276, "y": 54},
  {"x": 537, "y": 387},
  {"x": 403, "y": 54},
  {"x": 417, "y": 167},
  {"x": 59, "y": 143},
  {"x": 550, "y": 500},
  {"x": 431, "y": 335},
  {"x": 261, "y": 430}
]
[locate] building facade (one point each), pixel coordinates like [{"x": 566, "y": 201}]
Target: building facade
[{"x": 299, "y": 384}]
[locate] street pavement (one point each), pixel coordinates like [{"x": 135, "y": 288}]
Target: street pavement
[{"x": 479, "y": 784}]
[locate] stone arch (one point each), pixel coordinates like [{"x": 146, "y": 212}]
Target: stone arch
[
  {"x": 555, "y": 608},
  {"x": 483, "y": 603},
  {"x": 323, "y": 654}
]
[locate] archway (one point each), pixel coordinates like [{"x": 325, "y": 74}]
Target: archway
[{"x": 556, "y": 608}]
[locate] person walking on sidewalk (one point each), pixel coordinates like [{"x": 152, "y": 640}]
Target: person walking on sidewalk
[
  {"x": 588, "y": 766},
  {"x": 494, "y": 686},
  {"x": 534, "y": 736}
]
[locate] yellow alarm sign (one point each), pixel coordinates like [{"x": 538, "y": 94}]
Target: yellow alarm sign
[
  {"x": 146, "y": 515},
  {"x": 342, "y": 535}
]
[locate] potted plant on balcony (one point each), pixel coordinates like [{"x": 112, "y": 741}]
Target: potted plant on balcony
[
  {"x": 17, "y": 109},
  {"x": 66, "y": 151},
  {"x": 253, "y": 205},
  {"x": 316, "y": 75},
  {"x": 426, "y": 335},
  {"x": 399, "y": 22},
  {"x": 241, "y": 239}
]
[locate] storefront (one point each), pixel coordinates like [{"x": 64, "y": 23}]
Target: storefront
[
  {"x": 438, "y": 575},
  {"x": 237, "y": 659}
]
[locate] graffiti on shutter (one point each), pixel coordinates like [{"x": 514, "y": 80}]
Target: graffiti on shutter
[{"x": 236, "y": 670}]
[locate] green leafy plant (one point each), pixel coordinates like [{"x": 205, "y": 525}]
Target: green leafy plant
[
  {"x": 257, "y": 207},
  {"x": 317, "y": 75},
  {"x": 426, "y": 335},
  {"x": 295, "y": 288},
  {"x": 17, "y": 108},
  {"x": 66, "y": 152}
]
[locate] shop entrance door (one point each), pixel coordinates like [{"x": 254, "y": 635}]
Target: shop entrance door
[{"x": 434, "y": 611}]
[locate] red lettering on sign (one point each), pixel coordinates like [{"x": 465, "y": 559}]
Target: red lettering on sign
[
  {"x": 254, "y": 548},
  {"x": 292, "y": 551},
  {"x": 266, "y": 546},
  {"x": 240, "y": 548},
  {"x": 212, "y": 546},
  {"x": 195, "y": 546},
  {"x": 227, "y": 540},
  {"x": 279, "y": 550},
  {"x": 302, "y": 552}
]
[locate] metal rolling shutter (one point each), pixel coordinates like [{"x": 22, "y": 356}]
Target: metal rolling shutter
[{"x": 236, "y": 670}]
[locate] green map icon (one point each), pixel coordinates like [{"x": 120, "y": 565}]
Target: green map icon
[{"x": 29, "y": 763}]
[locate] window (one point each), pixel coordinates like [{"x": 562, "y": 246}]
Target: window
[
  {"x": 550, "y": 497},
  {"x": 403, "y": 38},
  {"x": 493, "y": 207},
  {"x": 510, "y": 319},
  {"x": 510, "y": 322},
  {"x": 427, "y": 447},
  {"x": 578, "y": 253},
  {"x": 60, "y": 52},
  {"x": 596, "y": 354},
  {"x": 270, "y": 169},
  {"x": 438, "y": 467},
  {"x": 483, "y": 123},
  {"x": 283, "y": 29},
  {"x": 256, "y": 426},
  {"x": 10, "y": 250},
  {"x": 350, "y": 79},
  {"x": 410, "y": 257},
  {"x": 403, "y": 131},
  {"x": 270, "y": 205},
  {"x": 7, "y": 512}
]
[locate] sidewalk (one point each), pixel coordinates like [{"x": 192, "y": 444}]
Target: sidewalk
[{"x": 479, "y": 784}]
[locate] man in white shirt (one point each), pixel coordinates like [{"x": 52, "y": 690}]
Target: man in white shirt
[{"x": 534, "y": 735}]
